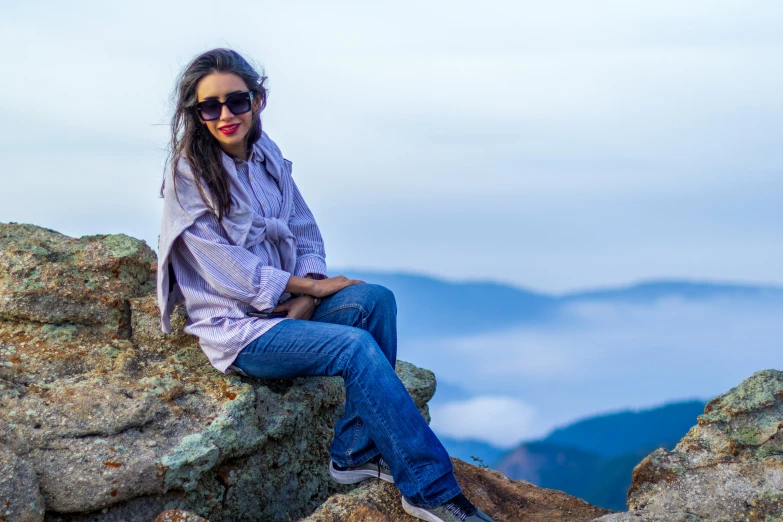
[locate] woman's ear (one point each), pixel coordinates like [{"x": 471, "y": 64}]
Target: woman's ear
[{"x": 256, "y": 102}]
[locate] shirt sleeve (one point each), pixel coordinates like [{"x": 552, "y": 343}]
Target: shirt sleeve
[
  {"x": 310, "y": 253},
  {"x": 231, "y": 270}
]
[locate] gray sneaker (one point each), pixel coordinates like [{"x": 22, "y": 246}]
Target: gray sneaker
[
  {"x": 458, "y": 509},
  {"x": 374, "y": 468}
]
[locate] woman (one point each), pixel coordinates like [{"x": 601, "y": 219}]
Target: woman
[{"x": 240, "y": 247}]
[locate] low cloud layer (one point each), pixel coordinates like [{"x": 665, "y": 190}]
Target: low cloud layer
[
  {"x": 502, "y": 421},
  {"x": 601, "y": 357}
]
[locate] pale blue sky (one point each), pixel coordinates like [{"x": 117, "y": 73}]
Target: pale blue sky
[{"x": 553, "y": 145}]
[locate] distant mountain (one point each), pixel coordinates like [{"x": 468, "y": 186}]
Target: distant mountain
[
  {"x": 431, "y": 307},
  {"x": 616, "y": 434},
  {"x": 594, "y": 458},
  {"x": 651, "y": 291},
  {"x": 553, "y": 466}
]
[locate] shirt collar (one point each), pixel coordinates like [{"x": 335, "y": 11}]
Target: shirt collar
[{"x": 256, "y": 156}]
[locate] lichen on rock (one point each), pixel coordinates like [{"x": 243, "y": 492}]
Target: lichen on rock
[{"x": 48, "y": 277}]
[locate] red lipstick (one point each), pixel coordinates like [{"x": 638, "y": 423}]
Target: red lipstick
[{"x": 229, "y": 129}]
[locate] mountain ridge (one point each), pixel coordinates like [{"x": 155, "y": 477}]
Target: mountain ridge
[
  {"x": 475, "y": 307},
  {"x": 592, "y": 457},
  {"x": 652, "y": 286}
]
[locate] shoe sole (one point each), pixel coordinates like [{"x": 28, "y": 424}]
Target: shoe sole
[
  {"x": 421, "y": 514},
  {"x": 354, "y": 476}
]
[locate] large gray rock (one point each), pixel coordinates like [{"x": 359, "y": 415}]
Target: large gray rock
[
  {"x": 728, "y": 467},
  {"x": 51, "y": 278},
  {"x": 20, "y": 498},
  {"x": 120, "y": 422}
]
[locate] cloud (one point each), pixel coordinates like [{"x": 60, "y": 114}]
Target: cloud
[
  {"x": 502, "y": 421},
  {"x": 601, "y": 357}
]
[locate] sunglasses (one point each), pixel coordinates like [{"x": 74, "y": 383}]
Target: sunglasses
[{"x": 237, "y": 103}]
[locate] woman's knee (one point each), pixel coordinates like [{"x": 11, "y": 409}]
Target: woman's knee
[
  {"x": 369, "y": 296},
  {"x": 381, "y": 297},
  {"x": 362, "y": 349}
]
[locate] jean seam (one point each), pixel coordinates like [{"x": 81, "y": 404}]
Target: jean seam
[
  {"x": 377, "y": 452},
  {"x": 344, "y": 307},
  {"x": 350, "y": 448},
  {"x": 393, "y": 439}
]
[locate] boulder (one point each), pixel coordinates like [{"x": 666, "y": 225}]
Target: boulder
[
  {"x": 51, "y": 278},
  {"x": 119, "y": 422},
  {"x": 728, "y": 467},
  {"x": 503, "y": 499}
]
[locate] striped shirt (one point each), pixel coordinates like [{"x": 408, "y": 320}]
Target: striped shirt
[{"x": 221, "y": 281}]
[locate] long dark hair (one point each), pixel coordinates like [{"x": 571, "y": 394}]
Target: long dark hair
[{"x": 193, "y": 142}]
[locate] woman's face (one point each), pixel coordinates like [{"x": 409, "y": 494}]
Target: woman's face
[{"x": 230, "y": 130}]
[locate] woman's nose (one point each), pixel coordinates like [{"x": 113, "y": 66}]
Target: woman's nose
[{"x": 225, "y": 114}]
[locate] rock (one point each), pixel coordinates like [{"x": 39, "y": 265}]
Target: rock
[
  {"x": 47, "y": 277},
  {"x": 174, "y": 515},
  {"x": 420, "y": 383},
  {"x": 656, "y": 516},
  {"x": 20, "y": 498},
  {"x": 120, "y": 422},
  {"x": 140, "y": 508},
  {"x": 503, "y": 499},
  {"x": 145, "y": 326},
  {"x": 728, "y": 467}
]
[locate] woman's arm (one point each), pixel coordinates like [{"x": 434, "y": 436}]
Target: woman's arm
[
  {"x": 231, "y": 270},
  {"x": 310, "y": 253},
  {"x": 237, "y": 273}
]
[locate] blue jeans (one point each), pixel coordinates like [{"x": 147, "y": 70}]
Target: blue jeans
[{"x": 353, "y": 333}]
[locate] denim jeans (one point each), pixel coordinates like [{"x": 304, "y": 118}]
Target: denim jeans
[{"x": 353, "y": 333}]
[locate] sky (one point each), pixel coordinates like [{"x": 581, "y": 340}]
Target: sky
[{"x": 552, "y": 145}]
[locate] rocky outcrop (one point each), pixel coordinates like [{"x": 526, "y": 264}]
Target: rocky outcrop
[
  {"x": 49, "y": 278},
  {"x": 728, "y": 467},
  {"x": 503, "y": 499},
  {"x": 118, "y": 422},
  {"x": 103, "y": 418}
]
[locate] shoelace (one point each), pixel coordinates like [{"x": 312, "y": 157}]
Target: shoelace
[
  {"x": 461, "y": 507},
  {"x": 382, "y": 464}
]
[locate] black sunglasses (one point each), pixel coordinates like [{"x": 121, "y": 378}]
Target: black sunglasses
[{"x": 237, "y": 103}]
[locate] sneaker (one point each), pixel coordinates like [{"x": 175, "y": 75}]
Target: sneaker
[
  {"x": 374, "y": 468},
  {"x": 458, "y": 509}
]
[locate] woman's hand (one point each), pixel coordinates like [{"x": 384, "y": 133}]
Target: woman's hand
[
  {"x": 332, "y": 285},
  {"x": 318, "y": 287},
  {"x": 301, "y": 307}
]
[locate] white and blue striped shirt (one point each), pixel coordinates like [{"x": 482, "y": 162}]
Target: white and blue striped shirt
[{"x": 221, "y": 281}]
